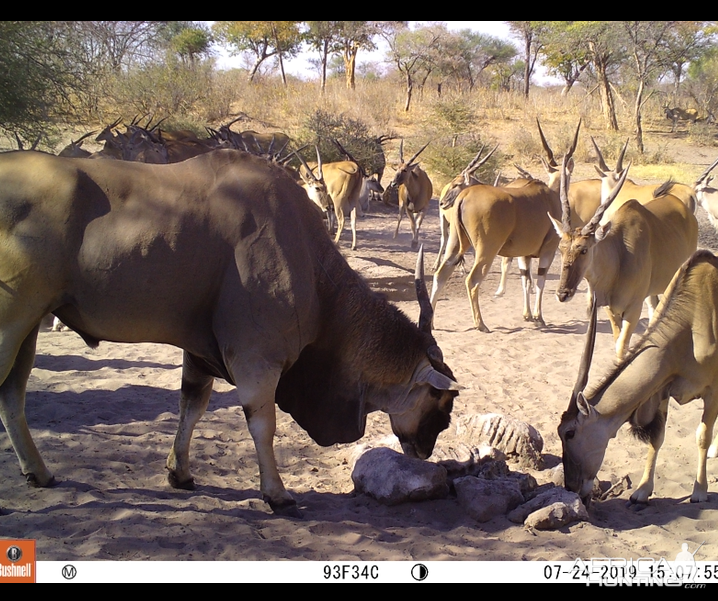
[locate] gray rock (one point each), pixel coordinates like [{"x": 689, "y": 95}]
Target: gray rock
[
  {"x": 550, "y": 510},
  {"x": 520, "y": 441},
  {"x": 463, "y": 460},
  {"x": 485, "y": 499},
  {"x": 392, "y": 478}
]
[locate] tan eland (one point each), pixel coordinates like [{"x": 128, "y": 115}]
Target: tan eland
[{"x": 676, "y": 358}]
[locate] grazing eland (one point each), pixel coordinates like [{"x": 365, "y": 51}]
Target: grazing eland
[
  {"x": 223, "y": 256},
  {"x": 676, "y": 358}
]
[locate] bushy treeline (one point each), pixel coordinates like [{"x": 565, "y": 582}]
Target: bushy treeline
[{"x": 441, "y": 83}]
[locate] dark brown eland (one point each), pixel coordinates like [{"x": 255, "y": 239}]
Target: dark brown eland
[
  {"x": 75, "y": 150},
  {"x": 224, "y": 257},
  {"x": 676, "y": 358}
]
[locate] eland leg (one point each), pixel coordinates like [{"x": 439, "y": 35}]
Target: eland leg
[
  {"x": 452, "y": 257},
  {"x": 415, "y": 228},
  {"x": 628, "y": 326},
  {"x": 412, "y": 223},
  {"x": 256, "y": 388},
  {"x": 703, "y": 439},
  {"x": 543, "y": 267},
  {"x": 525, "y": 271},
  {"x": 398, "y": 222},
  {"x": 651, "y": 305},
  {"x": 340, "y": 225},
  {"x": 354, "y": 227},
  {"x": 194, "y": 398},
  {"x": 17, "y": 365},
  {"x": 505, "y": 264},
  {"x": 57, "y": 325},
  {"x": 444, "y": 225},
  {"x": 482, "y": 264},
  {"x": 713, "y": 449},
  {"x": 658, "y": 432}
]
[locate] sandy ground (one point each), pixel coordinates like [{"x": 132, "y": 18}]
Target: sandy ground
[{"x": 104, "y": 420}]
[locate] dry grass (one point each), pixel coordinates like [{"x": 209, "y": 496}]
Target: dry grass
[{"x": 456, "y": 123}]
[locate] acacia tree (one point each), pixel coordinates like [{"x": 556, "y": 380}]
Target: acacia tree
[
  {"x": 190, "y": 41},
  {"x": 261, "y": 39},
  {"x": 350, "y": 38},
  {"x": 702, "y": 81},
  {"x": 686, "y": 43},
  {"x": 322, "y": 36},
  {"x": 600, "y": 42},
  {"x": 117, "y": 45},
  {"x": 531, "y": 35},
  {"x": 465, "y": 54},
  {"x": 646, "y": 45},
  {"x": 564, "y": 55},
  {"x": 415, "y": 53}
]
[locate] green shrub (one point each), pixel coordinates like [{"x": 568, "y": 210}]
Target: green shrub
[{"x": 322, "y": 127}]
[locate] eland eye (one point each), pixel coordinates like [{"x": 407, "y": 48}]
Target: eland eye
[{"x": 569, "y": 434}]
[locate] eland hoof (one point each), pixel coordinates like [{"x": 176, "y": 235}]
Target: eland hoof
[
  {"x": 33, "y": 482},
  {"x": 636, "y": 505},
  {"x": 175, "y": 482},
  {"x": 286, "y": 508},
  {"x": 699, "y": 497}
]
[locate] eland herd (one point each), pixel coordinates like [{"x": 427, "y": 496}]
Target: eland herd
[{"x": 242, "y": 276}]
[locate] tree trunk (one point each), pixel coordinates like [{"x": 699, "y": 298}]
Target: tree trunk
[
  {"x": 281, "y": 68},
  {"x": 637, "y": 116},
  {"x": 325, "y": 55},
  {"x": 527, "y": 65},
  {"x": 350, "y": 58},
  {"x": 677, "y": 76},
  {"x": 279, "y": 54},
  {"x": 409, "y": 92},
  {"x": 254, "y": 70},
  {"x": 609, "y": 107}
]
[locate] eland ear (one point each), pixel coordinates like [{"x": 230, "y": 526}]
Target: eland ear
[
  {"x": 557, "y": 225},
  {"x": 426, "y": 374},
  {"x": 442, "y": 382},
  {"x": 584, "y": 407}
]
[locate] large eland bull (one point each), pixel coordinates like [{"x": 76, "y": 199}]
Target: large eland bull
[
  {"x": 676, "y": 359},
  {"x": 225, "y": 257}
]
